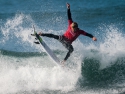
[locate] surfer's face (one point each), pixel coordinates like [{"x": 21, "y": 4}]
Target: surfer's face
[{"x": 74, "y": 27}]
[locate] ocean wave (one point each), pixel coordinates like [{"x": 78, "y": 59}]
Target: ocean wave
[
  {"x": 94, "y": 77},
  {"x": 28, "y": 54},
  {"x": 22, "y": 54}
]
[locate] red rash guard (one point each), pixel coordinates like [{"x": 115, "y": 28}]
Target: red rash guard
[{"x": 71, "y": 36}]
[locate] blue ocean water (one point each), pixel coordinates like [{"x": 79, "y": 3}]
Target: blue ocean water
[{"x": 93, "y": 68}]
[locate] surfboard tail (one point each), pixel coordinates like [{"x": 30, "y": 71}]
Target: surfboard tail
[{"x": 46, "y": 48}]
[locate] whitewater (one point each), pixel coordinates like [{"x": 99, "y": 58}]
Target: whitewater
[{"x": 93, "y": 68}]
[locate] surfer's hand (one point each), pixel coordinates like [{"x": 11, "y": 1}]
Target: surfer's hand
[
  {"x": 68, "y": 5},
  {"x": 40, "y": 33},
  {"x": 94, "y": 39}
]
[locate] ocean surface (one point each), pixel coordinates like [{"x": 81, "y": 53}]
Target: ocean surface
[{"x": 93, "y": 68}]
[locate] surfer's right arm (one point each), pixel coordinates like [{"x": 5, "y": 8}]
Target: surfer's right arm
[{"x": 69, "y": 14}]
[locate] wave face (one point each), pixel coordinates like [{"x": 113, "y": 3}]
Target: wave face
[{"x": 93, "y": 68}]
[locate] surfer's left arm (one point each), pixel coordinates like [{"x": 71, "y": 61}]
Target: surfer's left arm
[{"x": 89, "y": 35}]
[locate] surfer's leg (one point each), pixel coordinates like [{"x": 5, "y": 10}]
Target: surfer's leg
[
  {"x": 70, "y": 48},
  {"x": 51, "y": 36},
  {"x": 67, "y": 45}
]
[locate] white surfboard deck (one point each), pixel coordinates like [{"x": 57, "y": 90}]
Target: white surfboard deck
[{"x": 46, "y": 48}]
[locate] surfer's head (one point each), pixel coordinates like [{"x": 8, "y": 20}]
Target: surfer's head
[{"x": 74, "y": 26}]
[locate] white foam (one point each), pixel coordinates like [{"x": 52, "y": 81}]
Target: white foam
[
  {"x": 29, "y": 74},
  {"x": 39, "y": 73},
  {"x": 17, "y": 36}
]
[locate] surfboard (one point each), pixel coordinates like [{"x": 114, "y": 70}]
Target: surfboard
[{"x": 54, "y": 58}]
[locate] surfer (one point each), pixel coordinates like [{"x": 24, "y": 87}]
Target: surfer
[{"x": 70, "y": 35}]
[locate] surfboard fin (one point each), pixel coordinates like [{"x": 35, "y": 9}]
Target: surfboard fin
[
  {"x": 33, "y": 34},
  {"x": 37, "y": 42}
]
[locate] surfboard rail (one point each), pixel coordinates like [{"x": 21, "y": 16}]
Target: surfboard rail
[{"x": 46, "y": 48}]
